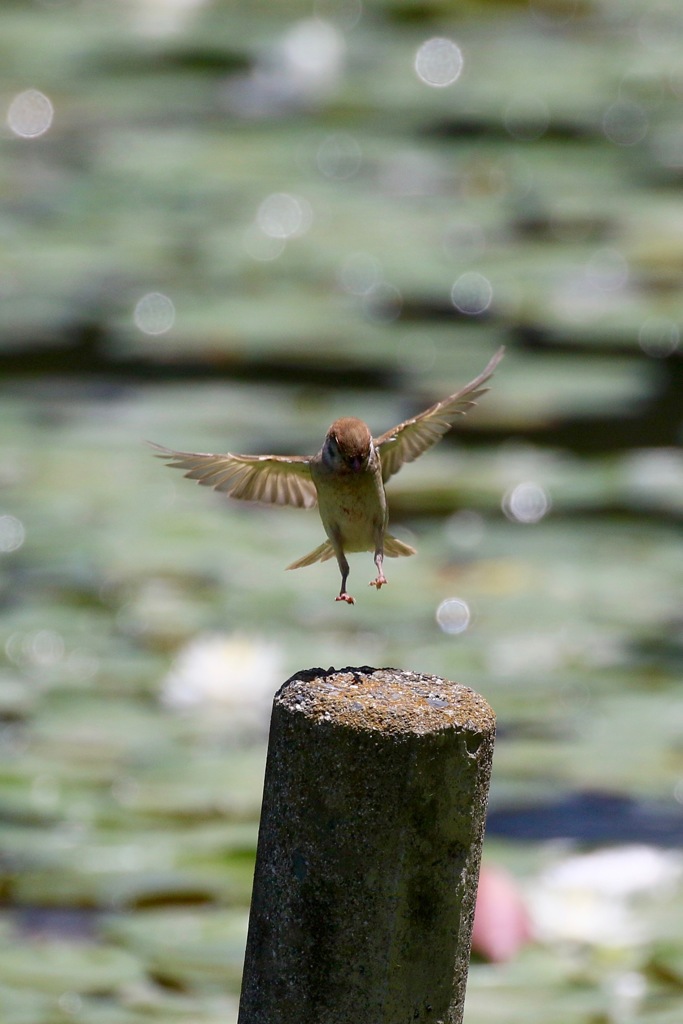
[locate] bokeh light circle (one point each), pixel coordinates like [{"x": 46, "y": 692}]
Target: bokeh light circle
[
  {"x": 282, "y": 215},
  {"x": 625, "y": 123},
  {"x": 438, "y": 62},
  {"x": 526, "y": 502},
  {"x": 30, "y": 114},
  {"x": 154, "y": 313},
  {"x": 453, "y": 615},
  {"x": 659, "y": 336},
  {"x": 12, "y": 534},
  {"x": 472, "y": 293}
]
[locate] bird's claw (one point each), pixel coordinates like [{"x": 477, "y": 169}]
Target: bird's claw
[
  {"x": 379, "y": 582},
  {"x": 345, "y": 597}
]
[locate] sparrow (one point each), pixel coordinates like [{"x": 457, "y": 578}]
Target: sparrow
[{"x": 345, "y": 479}]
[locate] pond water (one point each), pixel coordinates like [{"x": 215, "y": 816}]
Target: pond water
[{"x": 225, "y": 225}]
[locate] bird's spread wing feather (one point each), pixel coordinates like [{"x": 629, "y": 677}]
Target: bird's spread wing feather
[
  {"x": 409, "y": 439},
  {"x": 272, "y": 479}
]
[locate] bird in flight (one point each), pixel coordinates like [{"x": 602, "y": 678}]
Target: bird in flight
[{"x": 345, "y": 479}]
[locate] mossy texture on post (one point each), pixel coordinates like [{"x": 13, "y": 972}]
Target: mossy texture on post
[{"x": 369, "y": 849}]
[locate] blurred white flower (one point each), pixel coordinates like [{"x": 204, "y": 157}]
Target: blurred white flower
[
  {"x": 230, "y": 675},
  {"x": 521, "y": 653},
  {"x": 303, "y": 67},
  {"x": 160, "y": 18},
  {"x": 311, "y": 53},
  {"x": 654, "y": 476},
  {"x": 602, "y": 899}
]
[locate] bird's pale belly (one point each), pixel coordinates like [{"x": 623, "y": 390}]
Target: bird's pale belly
[{"x": 353, "y": 508}]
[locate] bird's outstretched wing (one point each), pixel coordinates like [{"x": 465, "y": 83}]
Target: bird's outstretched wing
[
  {"x": 409, "y": 439},
  {"x": 273, "y": 479}
]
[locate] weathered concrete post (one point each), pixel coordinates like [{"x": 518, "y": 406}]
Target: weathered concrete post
[{"x": 368, "y": 852}]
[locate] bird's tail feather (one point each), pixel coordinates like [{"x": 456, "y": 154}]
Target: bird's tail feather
[
  {"x": 393, "y": 548},
  {"x": 319, "y": 554}
]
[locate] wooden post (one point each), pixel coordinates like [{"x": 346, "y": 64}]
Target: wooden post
[{"x": 368, "y": 852}]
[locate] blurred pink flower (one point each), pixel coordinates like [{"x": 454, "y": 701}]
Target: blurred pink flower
[{"x": 501, "y": 922}]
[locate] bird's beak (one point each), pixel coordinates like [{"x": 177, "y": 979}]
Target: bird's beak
[{"x": 356, "y": 463}]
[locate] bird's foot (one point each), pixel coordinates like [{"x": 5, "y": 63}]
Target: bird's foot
[
  {"x": 379, "y": 582},
  {"x": 345, "y": 597}
]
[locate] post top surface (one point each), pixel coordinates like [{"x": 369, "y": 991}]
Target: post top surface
[{"x": 386, "y": 700}]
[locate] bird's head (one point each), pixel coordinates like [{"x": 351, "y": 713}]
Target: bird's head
[{"x": 348, "y": 445}]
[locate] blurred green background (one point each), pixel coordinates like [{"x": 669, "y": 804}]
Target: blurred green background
[{"x": 223, "y": 225}]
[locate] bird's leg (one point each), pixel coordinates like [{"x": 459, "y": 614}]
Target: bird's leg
[
  {"x": 381, "y": 578},
  {"x": 344, "y": 570}
]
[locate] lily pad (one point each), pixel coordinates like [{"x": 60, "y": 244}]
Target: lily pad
[
  {"x": 195, "y": 951},
  {"x": 58, "y": 967}
]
